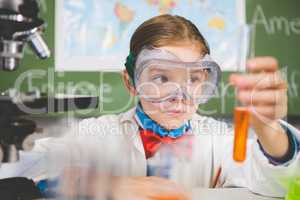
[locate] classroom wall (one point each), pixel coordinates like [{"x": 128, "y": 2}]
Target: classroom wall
[{"x": 278, "y": 34}]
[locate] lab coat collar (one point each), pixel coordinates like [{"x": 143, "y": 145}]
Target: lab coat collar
[
  {"x": 128, "y": 116},
  {"x": 131, "y": 129}
]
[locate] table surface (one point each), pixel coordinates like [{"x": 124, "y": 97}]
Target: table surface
[{"x": 227, "y": 194}]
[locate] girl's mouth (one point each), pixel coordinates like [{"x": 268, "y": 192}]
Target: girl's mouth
[{"x": 175, "y": 113}]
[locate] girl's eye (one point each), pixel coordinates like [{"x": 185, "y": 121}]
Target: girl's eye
[
  {"x": 160, "y": 79},
  {"x": 195, "y": 79},
  {"x": 198, "y": 77}
]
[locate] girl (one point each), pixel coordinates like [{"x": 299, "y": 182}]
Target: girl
[{"x": 170, "y": 71}]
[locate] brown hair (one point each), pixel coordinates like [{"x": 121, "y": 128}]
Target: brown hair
[{"x": 166, "y": 30}]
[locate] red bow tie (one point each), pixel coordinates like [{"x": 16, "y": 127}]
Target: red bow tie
[{"x": 152, "y": 142}]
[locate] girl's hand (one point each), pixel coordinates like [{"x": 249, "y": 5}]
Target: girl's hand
[
  {"x": 148, "y": 188},
  {"x": 79, "y": 182},
  {"x": 264, "y": 92}
]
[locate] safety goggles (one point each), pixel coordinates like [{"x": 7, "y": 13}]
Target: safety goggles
[{"x": 161, "y": 76}]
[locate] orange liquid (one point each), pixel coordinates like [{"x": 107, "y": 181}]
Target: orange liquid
[
  {"x": 169, "y": 197},
  {"x": 241, "y": 123},
  {"x": 165, "y": 198}
]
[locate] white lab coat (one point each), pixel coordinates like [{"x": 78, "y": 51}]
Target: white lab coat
[{"x": 115, "y": 139}]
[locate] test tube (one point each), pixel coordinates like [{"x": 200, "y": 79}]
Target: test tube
[
  {"x": 241, "y": 124},
  {"x": 241, "y": 113}
]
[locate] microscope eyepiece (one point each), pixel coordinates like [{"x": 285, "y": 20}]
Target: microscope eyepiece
[{"x": 19, "y": 24}]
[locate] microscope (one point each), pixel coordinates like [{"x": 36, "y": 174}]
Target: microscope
[{"x": 20, "y": 25}]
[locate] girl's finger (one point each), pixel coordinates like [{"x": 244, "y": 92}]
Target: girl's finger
[
  {"x": 258, "y": 81},
  {"x": 259, "y": 64},
  {"x": 269, "y": 113},
  {"x": 262, "y": 97}
]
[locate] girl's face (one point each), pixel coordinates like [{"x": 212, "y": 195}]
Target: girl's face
[{"x": 174, "y": 113}]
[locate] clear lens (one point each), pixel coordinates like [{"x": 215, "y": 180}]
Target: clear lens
[
  {"x": 160, "y": 76},
  {"x": 159, "y": 82}
]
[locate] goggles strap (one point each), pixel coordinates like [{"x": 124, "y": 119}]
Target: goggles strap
[{"x": 129, "y": 64}]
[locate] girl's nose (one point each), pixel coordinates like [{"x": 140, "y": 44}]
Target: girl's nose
[{"x": 182, "y": 98}]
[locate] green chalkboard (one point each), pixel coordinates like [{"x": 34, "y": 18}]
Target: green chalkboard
[{"x": 277, "y": 34}]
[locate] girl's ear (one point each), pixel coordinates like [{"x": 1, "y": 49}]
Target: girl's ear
[{"x": 128, "y": 83}]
